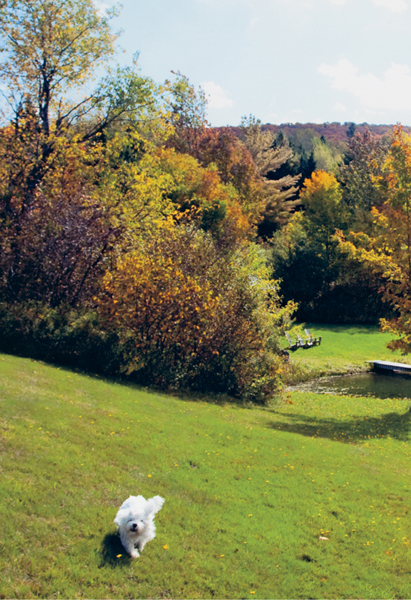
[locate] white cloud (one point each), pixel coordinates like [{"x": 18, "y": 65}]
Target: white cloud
[
  {"x": 390, "y": 92},
  {"x": 338, "y": 2},
  {"x": 394, "y": 5},
  {"x": 216, "y": 96},
  {"x": 340, "y": 107}
]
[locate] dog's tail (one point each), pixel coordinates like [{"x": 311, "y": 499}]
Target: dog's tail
[{"x": 155, "y": 504}]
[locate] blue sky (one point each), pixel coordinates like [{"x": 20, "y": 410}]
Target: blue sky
[{"x": 280, "y": 60}]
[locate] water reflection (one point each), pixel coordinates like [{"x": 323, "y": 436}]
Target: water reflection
[{"x": 364, "y": 384}]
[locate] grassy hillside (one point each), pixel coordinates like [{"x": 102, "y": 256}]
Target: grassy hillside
[
  {"x": 343, "y": 349},
  {"x": 249, "y": 492}
]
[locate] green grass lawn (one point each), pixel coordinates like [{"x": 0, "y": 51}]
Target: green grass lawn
[
  {"x": 249, "y": 492},
  {"x": 343, "y": 349}
]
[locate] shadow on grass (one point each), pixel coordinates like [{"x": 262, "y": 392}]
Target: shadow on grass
[
  {"x": 112, "y": 552},
  {"x": 356, "y": 429},
  {"x": 124, "y": 381}
]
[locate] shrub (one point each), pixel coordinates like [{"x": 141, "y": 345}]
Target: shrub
[
  {"x": 62, "y": 335},
  {"x": 190, "y": 315}
]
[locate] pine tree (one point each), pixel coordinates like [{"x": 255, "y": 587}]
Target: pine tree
[{"x": 269, "y": 155}]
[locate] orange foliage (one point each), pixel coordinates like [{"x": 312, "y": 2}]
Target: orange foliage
[
  {"x": 188, "y": 315},
  {"x": 218, "y": 205},
  {"x": 221, "y": 150}
]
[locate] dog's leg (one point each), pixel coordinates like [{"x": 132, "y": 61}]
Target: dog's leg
[
  {"x": 132, "y": 550},
  {"x": 129, "y": 546}
]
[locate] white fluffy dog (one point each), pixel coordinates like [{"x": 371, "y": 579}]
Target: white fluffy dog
[{"x": 135, "y": 522}]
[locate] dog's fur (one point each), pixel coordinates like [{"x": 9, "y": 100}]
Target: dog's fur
[{"x": 135, "y": 522}]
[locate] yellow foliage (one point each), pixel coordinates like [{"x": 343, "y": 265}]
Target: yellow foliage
[
  {"x": 387, "y": 250},
  {"x": 184, "y": 309},
  {"x": 320, "y": 182}
]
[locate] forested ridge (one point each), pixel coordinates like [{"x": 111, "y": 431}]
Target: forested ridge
[
  {"x": 138, "y": 240},
  {"x": 333, "y": 132}
]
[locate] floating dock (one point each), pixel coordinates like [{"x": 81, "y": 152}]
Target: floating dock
[{"x": 384, "y": 365}]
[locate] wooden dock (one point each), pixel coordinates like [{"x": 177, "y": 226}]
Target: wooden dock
[{"x": 384, "y": 365}]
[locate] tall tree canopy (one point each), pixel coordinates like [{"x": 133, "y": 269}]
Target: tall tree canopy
[
  {"x": 50, "y": 51},
  {"x": 363, "y": 163},
  {"x": 386, "y": 248},
  {"x": 50, "y": 48}
]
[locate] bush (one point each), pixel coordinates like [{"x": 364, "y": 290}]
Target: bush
[
  {"x": 63, "y": 335},
  {"x": 189, "y": 315}
]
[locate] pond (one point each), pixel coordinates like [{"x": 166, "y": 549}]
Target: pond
[{"x": 363, "y": 384}]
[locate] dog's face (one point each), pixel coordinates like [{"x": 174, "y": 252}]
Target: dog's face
[{"x": 136, "y": 525}]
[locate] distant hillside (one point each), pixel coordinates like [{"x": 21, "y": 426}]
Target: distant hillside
[{"x": 334, "y": 133}]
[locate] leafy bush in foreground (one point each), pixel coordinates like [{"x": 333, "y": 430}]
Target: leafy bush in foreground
[{"x": 188, "y": 315}]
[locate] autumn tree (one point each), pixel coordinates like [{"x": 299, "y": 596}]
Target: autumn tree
[
  {"x": 327, "y": 285},
  {"x": 217, "y": 148},
  {"x": 363, "y": 163},
  {"x": 56, "y": 164},
  {"x": 54, "y": 252},
  {"x": 222, "y": 150},
  {"x": 187, "y": 109},
  {"x": 50, "y": 51},
  {"x": 304, "y": 253},
  {"x": 324, "y": 210},
  {"x": 386, "y": 250},
  {"x": 204, "y": 198}
]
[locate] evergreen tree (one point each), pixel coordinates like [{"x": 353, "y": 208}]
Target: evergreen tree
[
  {"x": 307, "y": 166},
  {"x": 279, "y": 194},
  {"x": 351, "y": 130}
]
